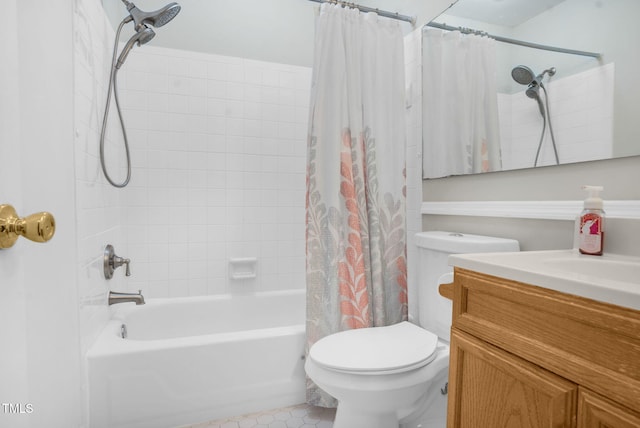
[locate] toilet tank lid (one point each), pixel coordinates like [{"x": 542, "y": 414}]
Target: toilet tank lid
[{"x": 458, "y": 243}]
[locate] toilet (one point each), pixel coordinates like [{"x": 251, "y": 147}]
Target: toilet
[{"x": 392, "y": 376}]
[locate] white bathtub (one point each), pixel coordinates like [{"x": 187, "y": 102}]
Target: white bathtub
[{"x": 188, "y": 360}]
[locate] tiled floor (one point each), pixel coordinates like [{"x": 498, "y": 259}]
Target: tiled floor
[{"x": 299, "y": 416}]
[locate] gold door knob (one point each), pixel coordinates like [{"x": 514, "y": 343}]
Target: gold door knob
[{"x": 38, "y": 227}]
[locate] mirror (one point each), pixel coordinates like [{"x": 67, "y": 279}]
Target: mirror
[{"x": 587, "y": 106}]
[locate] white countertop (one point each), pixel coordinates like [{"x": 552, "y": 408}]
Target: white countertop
[{"x": 609, "y": 278}]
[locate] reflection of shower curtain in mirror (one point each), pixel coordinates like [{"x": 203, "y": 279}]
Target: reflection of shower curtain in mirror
[{"x": 460, "y": 105}]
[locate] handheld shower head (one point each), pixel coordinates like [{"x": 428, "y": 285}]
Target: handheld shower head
[
  {"x": 157, "y": 18},
  {"x": 533, "y": 91},
  {"x": 142, "y": 36}
]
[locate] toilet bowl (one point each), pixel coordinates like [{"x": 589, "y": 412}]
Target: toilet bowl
[
  {"x": 378, "y": 375},
  {"x": 386, "y": 376}
]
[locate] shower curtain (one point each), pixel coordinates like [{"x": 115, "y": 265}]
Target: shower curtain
[
  {"x": 460, "y": 109},
  {"x": 355, "y": 219}
]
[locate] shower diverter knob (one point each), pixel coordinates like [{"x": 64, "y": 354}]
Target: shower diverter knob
[{"x": 112, "y": 262}]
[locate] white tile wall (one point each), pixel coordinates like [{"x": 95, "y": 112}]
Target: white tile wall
[
  {"x": 219, "y": 153},
  {"x": 97, "y": 203}
]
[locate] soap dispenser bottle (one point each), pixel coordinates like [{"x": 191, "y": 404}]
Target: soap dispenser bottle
[{"x": 591, "y": 226}]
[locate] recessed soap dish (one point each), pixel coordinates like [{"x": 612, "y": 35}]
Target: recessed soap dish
[{"x": 243, "y": 267}]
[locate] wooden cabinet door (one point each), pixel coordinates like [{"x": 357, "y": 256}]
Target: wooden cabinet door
[
  {"x": 595, "y": 411},
  {"x": 490, "y": 388}
]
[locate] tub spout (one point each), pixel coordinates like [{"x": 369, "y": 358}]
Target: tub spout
[{"x": 115, "y": 297}]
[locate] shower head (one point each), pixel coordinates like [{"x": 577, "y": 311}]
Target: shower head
[
  {"x": 525, "y": 76},
  {"x": 142, "y": 36},
  {"x": 522, "y": 74},
  {"x": 157, "y": 18}
]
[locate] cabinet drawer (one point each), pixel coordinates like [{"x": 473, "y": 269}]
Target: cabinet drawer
[{"x": 590, "y": 343}]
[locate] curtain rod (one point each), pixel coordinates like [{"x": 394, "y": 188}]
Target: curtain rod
[
  {"x": 464, "y": 30},
  {"x": 392, "y": 15}
]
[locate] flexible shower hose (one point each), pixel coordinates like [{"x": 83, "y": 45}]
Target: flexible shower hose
[
  {"x": 113, "y": 85},
  {"x": 544, "y": 128}
]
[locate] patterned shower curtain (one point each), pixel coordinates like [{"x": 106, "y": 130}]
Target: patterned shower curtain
[{"x": 356, "y": 236}]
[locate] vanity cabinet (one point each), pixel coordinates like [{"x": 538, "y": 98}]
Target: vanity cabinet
[{"x": 526, "y": 356}]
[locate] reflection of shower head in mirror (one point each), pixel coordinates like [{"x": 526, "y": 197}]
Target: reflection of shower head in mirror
[
  {"x": 525, "y": 76},
  {"x": 522, "y": 74},
  {"x": 533, "y": 91}
]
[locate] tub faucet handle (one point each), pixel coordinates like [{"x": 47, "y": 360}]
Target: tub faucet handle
[
  {"x": 119, "y": 261},
  {"x": 112, "y": 262}
]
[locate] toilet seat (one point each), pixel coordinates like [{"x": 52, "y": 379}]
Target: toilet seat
[{"x": 379, "y": 350}]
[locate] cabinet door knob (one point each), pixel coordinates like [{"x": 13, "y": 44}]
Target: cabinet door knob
[{"x": 38, "y": 227}]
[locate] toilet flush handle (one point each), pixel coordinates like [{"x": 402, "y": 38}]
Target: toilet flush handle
[{"x": 445, "y": 389}]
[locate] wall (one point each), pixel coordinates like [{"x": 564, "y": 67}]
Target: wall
[
  {"x": 540, "y": 184},
  {"x": 219, "y": 151}
]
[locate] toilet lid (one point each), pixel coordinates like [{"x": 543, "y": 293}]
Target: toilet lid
[{"x": 391, "y": 349}]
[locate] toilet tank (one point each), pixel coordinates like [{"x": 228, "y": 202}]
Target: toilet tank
[{"x": 434, "y": 248}]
